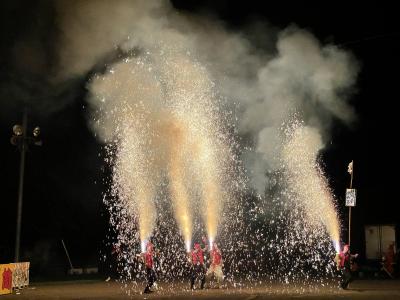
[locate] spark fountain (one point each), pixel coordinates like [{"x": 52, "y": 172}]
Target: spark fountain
[
  {"x": 178, "y": 190},
  {"x": 165, "y": 129},
  {"x": 163, "y": 134},
  {"x": 299, "y": 211},
  {"x": 300, "y": 156}
]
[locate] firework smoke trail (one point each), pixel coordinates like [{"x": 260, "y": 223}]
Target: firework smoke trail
[
  {"x": 212, "y": 208},
  {"x": 135, "y": 172},
  {"x": 211, "y": 193},
  {"x": 302, "y": 219},
  {"x": 306, "y": 178},
  {"x": 196, "y": 104},
  {"x": 176, "y": 170},
  {"x": 138, "y": 194}
]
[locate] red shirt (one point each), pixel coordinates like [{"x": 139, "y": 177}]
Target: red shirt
[
  {"x": 148, "y": 259},
  {"x": 197, "y": 257},
  {"x": 344, "y": 259},
  {"x": 216, "y": 257},
  {"x": 389, "y": 259}
]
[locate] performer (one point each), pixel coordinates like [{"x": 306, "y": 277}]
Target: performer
[
  {"x": 114, "y": 268},
  {"x": 388, "y": 261},
  {"x": 148, "y": 259},
  {"x": 216, "y": 265},
  {"x": 345, "y": 266},
  {"x": 198, "y": 269}
]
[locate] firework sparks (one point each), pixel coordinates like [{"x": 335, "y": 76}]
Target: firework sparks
[
  {"x": 165, "y": 131},
  {"x": 170, "y": 145},
  {"x": 178, "y": 190},
  {"x": 307, "y": 179}
]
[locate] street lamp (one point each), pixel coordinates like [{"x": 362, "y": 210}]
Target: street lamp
[{"x": 22, "y": 140}]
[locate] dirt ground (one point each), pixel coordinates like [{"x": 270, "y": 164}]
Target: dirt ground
[{"x": 91, "y": 289}]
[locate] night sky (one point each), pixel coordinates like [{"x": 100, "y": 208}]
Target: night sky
[{"x": 64, "y": 178}]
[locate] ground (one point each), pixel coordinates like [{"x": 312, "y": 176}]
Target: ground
[{"x": 94, "y": 289}]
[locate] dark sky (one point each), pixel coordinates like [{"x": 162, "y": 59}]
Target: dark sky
[{"x": 63, "y": 179}]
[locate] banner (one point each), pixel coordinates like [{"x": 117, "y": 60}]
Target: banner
[
  {"x": 20, "y": 274},
  {"x": 6, "y": 279},
  {"x": 350, "y": 197}
]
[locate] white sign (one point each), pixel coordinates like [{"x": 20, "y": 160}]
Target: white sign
[
  {"x": 350, "y": 197},
  {"x": 20, "y": 276}
]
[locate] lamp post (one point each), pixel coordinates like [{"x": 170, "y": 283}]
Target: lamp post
[{"x": 22, "y": 140}]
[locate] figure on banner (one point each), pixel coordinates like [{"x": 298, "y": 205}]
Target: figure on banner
[{"x": 7, "y": 279}]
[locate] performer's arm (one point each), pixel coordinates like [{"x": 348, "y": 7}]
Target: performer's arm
[{"x": 354, "y": 255}]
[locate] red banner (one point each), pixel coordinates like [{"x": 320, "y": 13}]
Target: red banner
[{"x": 6, "y": 276}]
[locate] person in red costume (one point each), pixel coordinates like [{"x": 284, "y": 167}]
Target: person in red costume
[
  {"x": 198, "y": 269},
  {"x": 345, "y": 260},
  {"x": 148, "y": 260},
  {"x": 216, "y": 264},
  {"x": 388, "y": 261}
]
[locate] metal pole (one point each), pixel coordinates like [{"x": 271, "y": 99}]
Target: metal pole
[
  {"x": 349, "y": 223},
  {"x": 66, "y": 252},
  {"x": 351, "y": 185},
  {"x": 21, "y": 185}
]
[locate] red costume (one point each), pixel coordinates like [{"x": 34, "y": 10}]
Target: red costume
[
  {"x": 197, "y": 255},
  {"x": 216, "y": 256},
  {"x": 389, "y": 259},
  {"x": 148, "y": 256}
]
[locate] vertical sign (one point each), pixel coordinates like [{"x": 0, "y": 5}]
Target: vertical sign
[{"x": 350, "y": 197}]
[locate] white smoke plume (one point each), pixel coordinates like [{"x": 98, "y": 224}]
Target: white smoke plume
[
  {"x": 91, "y": 30},
  {"x": 301, "y": 75}
]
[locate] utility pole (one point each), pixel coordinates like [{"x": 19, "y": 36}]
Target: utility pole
[
  {"x": 21, "y": 139},
  {"x": 351, "y": 171},
  {"x": 21, "y": 185}
]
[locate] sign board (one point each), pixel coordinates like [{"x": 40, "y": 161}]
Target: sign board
[
  {"x": 350, "y": 197},
  {"x": 6, "y": 276},
  {"x": 20, "y": 274}
]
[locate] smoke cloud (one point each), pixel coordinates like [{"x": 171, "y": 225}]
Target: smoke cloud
[{"x": 264, "y": 88}]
